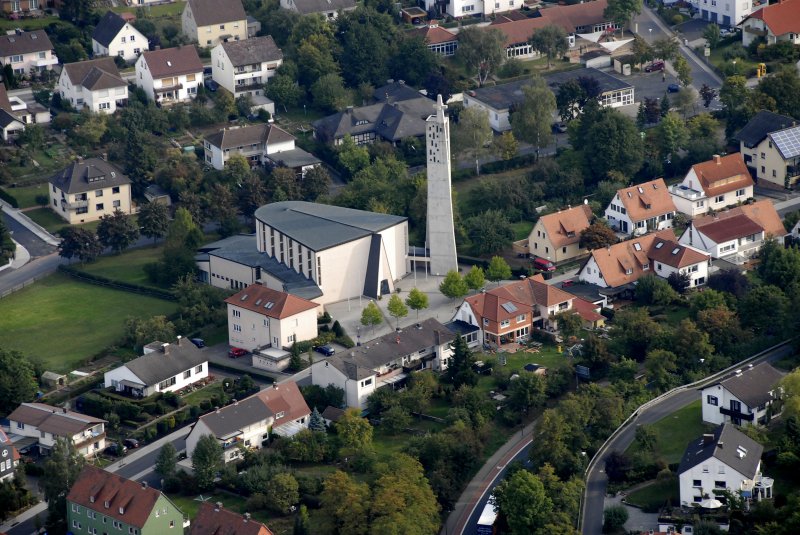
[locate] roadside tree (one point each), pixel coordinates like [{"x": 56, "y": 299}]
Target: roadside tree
[
  {"x": 61, "y": 470},
  {"x": 498, "y": 270},
  {"x": 475, "y": 278},
  {"x": 453, "y": 285},
  {"x": 153, "y": 219},
  {"x": 397, "y": 308},
  {"x": 473, "y": 134},
  {"x": 622, "y": 11},
  {"x": 371, "y": 315},
  {"x": 79, "y": 243},
  {"x": 206, "y": 462},
  {"x": 524, "y": 502},
  {"x": 117, "y": 231}
]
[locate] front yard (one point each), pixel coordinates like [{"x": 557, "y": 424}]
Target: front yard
[{"x": 675, "y": 431}]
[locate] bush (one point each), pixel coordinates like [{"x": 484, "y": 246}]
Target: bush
[
  {"x": 614, "y": 518},
  {"x": 10, "y": 199},
  {"x": 337, "y": 329},
  {"x": 324, "y": 319}
]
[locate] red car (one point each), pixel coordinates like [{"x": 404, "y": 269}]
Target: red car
[
  {"x": 236, "y": 352},
  {"x": 655, "y": 67}
]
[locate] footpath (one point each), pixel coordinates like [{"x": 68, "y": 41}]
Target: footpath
[{"x": 27, "y": 222}]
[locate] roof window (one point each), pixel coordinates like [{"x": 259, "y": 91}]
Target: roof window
[
  {"x": 676, "y": 250},
  {"x": 244, "y": 297},
  {"x": 637, "y": 246}
]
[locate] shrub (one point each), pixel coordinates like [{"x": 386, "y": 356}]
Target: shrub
[
  {"x": 162, "y": 427},
  {"x": 150, "y": 433},
  {"x": 614, "y": 518}
]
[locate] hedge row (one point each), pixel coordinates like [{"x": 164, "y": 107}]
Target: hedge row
[
  {"x": 119, "y": 285},
  {"x": 10, "y": 199},
  {"x": 499, "y": 166}
]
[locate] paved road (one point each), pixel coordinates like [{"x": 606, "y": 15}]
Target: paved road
[
  {"x": 35, "y": 246},
  {"x": 35, "y": 269},
  {"x": 596, "y": 481}
]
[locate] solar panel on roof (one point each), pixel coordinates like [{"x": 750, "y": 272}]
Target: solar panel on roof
[
  {"x": 509, "y": 307},
  {"x": 788, "y": 141}
]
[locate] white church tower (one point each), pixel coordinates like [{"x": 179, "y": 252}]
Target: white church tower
[{"x": 441, "y": 236}]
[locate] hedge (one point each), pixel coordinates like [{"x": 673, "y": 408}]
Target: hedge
[
  {"x": 10, "y": 199},
  {"x": 119, "y": 285},
  {"x": 499, "y": 166}
]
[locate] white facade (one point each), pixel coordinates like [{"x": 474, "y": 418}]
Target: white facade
[
  {"x": 12, "y": 129},
  {"x": 90, "y": 441},
  {"x": 242, "y": 80},
  {"x": 255, "y": 152},
  {"x": 168, "y": 89},
  {"x": 99, "y": 101},
  {"x": 591, "y": 273},
  {"x": 726, "y": 13},
  {"x": 127, "y": 44},
  {"x": 737, "y": 249},
  {"x": 123, "y": 379},
  {"x": 467, "y": 8},
  {"x": 251, "y": 436},
  {"x": 28, "y": 62},
  {"x": 356, "y": 391},
  {"x": 712, "y": 474},
  {"x": 619, "y": 219},
  {"x": 250, "y": 330},
  {"x": 210, "y": 35},
  {"x": 753, "y": 28},
  {"x": 690, "y": 199},
  {"x": 717, "y": 396}
]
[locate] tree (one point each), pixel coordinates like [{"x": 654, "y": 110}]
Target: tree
[
  {"x": 614, "y": 518},
  {"x": 18, "y": 381},
  {"x": 671, "y": 135},
  {"x": 635, "y": 331},
  {"x": 345, "y": 504},
  {"x": 641, "y": 51},
  {"x": 506, "y": 145},
  {"x": 480, "y": 50},
  {"x": 531, "y": 120},
  {"x": 791, "y": 388},
  {"x": 141, "y": 331},
  {"x": 661, "y": 367},
  {"x": 473, "y": 134},
  {"x": 60, "y": 472},
  {"x": 395, "y": 419},
  {"x": 712, "y": 35},
  {"x": 460, "y": 369},
  {"x": 206, "y": 462},
  {"x": 524, "y": 502},
  {"x": 329, "y": 93},
  {"x": 353, "y": 157},
  {"x": 167, "y": 461},
  {"x": 526, "y": 392},
  {"x": 302, "y": 522},
  {"x": 489, "y": 232},
  {"x": 765, "y": 309},
  {"x": 597, "y": 235},
  {"x": 498, "y": 269},
  {"x": 402, "y": 499},
  {"x": 371, "y": 315},
  {"x": 610, "y": 142},
  {"x": 683, "y": 70},
  {"x": 117, "y": 231},
  {"x": 680, "y": 282},
  {"x": 180, "y": 245},
  {"x": 453, "y": 285},
  {"x": 316, "y": 422},
  {"x": 654, "y": 290},
  {"x": 251, "y": 193},
  {"x": 283, "y": 90},
  {"x": 783, "y": 88},
  {"x": 665, "y": 105},
  {"x": 621, "y": 11},
  {"x": 691, "y": 346},
  {"x": 414, "y": 61},
  {"x": 397, "y": 308},
  {"x": 153, "y": 219},
  {"x": 355, "y": 432},
  {"x": 475, "y": 278},
  {"x": 666, "y": 48},
  {"x": 550, "y": 41},
  {"x": 569, "y": 323},
  {"x": 7, "y": 245},
  {"x": 79, "y": 243},
  {"x": 282, "y": 492},
  {"x": 417, "y": 300},
  {"x": 315, "y": 183}
]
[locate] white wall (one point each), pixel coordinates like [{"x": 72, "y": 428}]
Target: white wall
[
  {"x": 188, "y": 84},
  {"x": 127, "y": 44},
  {"x": 708, "y": 473},
  {"x": 498, "y": 119},
  {"x": 258, "y": 330},
  {"x": 324, "y": 374},
  {"x": 698, "y": 273},
  {"x": 226, "y": 274},
  {"x": 122, "y": 373},
  {"x": 591, "y": 274}
]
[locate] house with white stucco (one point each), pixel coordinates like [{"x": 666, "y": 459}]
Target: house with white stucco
[
  {"x": 641, "y": 208},
  {"x": 118, "y": 38},
  {"x": 749, "y": 396},
  {"x": 713, "y": 185}
]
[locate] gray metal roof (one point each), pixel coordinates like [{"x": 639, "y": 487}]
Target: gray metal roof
[
  {"x": 762, "y": 124},
  {"x": 728, "y": 445},
  {"x": 753, "y": 385},
  {"x": 322, "y": 226},
  {"x": 160, "y": 365},
  {"x": 787, "y": 141},
  {"x": 253, "y": 50},
  {"x": 293, "y": 158},
  {"x": 88, "y": 175}
]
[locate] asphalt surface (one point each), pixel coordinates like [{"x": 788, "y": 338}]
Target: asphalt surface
[{"x": 30, "y": 241}]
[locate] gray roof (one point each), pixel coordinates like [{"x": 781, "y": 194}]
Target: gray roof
[
  {"x": 305, "y": 7},
  {"x": 253, "y": 50},
  {"x": 393, "y": 122},
  {"x": 753, "y": 385},
  {"x": 787, "y": 141},
  {"x": 322, "y": 226},
  {"x": 394, "y": 92},
  {"x": 207, "y": 12},
  {"x": 293, "y": 158},
  {"x": 231, "y": 419},
  {"x": 24, "y": 43},
  {"x": 88, "y": 175},
  {"x": 7, "y": 118},
  {"x": 392, "y": 346},
  {"x": 760, "y": 125},
  {"x": 95, "y": 74},
  {"x": 461, "y": 327},
  {"x": 504, "y": 96},
  {"x": 350, "y": 369},
  {"x": 728, "y": 445},
  {"x": 108, "y": 28},
  {"x": 166, "y": 362},
  {"x": 230, "y": 138}
]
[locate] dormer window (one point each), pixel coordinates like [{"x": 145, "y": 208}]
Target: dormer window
[
  {"x": 628, "y": 271},
  {"x": 122, "y": 510},
  {"x": 280, "y": 415},
  {"x": 91, "y": 498},
  {"x": 106, "y": 504}
]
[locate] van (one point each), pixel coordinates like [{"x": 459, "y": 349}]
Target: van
[{"x": 543, "y": 265}]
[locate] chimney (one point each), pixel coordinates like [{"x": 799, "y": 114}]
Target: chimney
[
  {"x": 708, "y": 439},
  {"x": 105, "y": 156},
  {"x": 179, "y": 339},
  {"x": 144, "y": 484},
  {"x": 275, "y": 386},
  {"x": 349, "y": 110},
  {"x": 717, "y": 159},
  {"x": 79, "y": 159},
  {"x": 246, "y": 517},
  {"x": 165, "y": 348},
  {"x": 217, "y": 506},
  {"x": 419, "y": 326}
]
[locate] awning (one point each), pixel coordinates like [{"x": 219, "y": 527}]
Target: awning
[
  {"x": 593, "y": 37},
  {"x": 289, "y": 429},
  {"x": 611, "y": 46}
]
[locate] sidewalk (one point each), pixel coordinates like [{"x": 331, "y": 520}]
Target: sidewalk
[
  {"x": 21, "y": 257},
  {"x": 28, "y": 223}
]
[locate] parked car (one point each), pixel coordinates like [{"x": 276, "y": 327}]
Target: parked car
[
  {"x": 655, "y": 66},
  {"x": 113, "y": 449},
  {"x": 236, "y": 352},
  {"x": 559, "y": 128},
  {"x": 543, "y": 265},
  {"x": 567, "y": 283},
  {"x": 131, "y": 443},
  {"x": 199, "y": 342},
  {"x": 326, "y": 350},
  {"x": 673, "y": 88},
  {"x": 211, "y": 85}
]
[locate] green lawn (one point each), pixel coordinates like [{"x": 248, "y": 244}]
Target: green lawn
[
  {"x": 522, "y": 229},
  {"x": 26, "y": 24},
  {"x": 189, "y": 505},
  {"x": 155, "y": 12},
  {"x": 207, "y": 392},
  {"x": 126, "y": 267},
  {"x": 653, "y": 496},
  {"x": 63, "y": 321},
  {"x": 675, "y": 431},
  {"x": 26, "y": 196},
  {"x": 49, "y": 161}
]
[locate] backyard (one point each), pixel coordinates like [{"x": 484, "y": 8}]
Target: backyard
[
  {"x": 63, "y": 322},
  {"x": 675, "y": 431}
]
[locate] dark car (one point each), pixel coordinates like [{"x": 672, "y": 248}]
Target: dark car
[
  {"x": 559, "y": 128},
  {"x": 326, "y": 350},
  {"x": 212, "y": 86},
  {"x": 567, "y": 283},
  {"x": 113, "y": 449},
  {"x": 543, "y": 265},
  {"x": 131, "y": 443},
  {"x": 655, "y": 67},
  {"x": 199, "y": 342},
  {"x": 236, "y": 352},
  {"x": 673, "y": 88}
]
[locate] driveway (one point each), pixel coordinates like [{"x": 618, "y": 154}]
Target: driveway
[
  {"x": 30, "y": 241},
  {"x": 692, "y": 29}
]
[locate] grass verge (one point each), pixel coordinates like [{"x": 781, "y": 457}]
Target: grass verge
[
  {"x": 26, "y": 196},
  {"x": 655, "y": 495},
  {"x": 673, "y": 432}
]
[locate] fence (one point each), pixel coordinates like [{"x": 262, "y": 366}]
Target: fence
[
  {"x": 9, "y": 291},
  {"x": 117, "y": 285}
]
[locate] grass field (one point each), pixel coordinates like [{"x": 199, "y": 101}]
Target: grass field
[
  {"x": 126, "y": 267},
  {"x": 63, "y": 321},
  {"x": 655, "y": 495},
  {"x": 163, "y": 10},
  {"x": 49, "y": 161},
  {"x": 522, "y": 229},
  {"x": 26, "y": 24},
  {"x": 26, "y": 196},
  {"x": 675, "y": 431}
]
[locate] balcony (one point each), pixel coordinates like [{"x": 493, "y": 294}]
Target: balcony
[
  {"x": 736, "y": 414},
  {"x": 755, "y": 31},
  {"x": 255, "y": 85},
  {"x": 46, "y": 62},
  {"x": 687, "y": 193},
  {"x": 74, "y": 205}
]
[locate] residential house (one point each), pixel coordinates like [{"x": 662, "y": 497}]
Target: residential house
[
  {"x": 641, "y": 208},
  {"x": 327, "y": 8},
  {"x": 164, "y": 367},
  {"x": 737, "y": 234},
  {"x": 755, "y": 132},
  {"x": 248, "y": 423},
  {"x": 774, "y": 23},
  {"x": 499, "y": 100},
  {"x": 93, "y": 84},
  {"x": 557, "y": 236},
  {"x": 10, "y": 125},
  {"x": 386, "y": 361},
  {"x": 726, "y": 13},
  {"x": 261, "y": 144},
  {"x": 9, "y": 457},
  {"x": 88, "y": 189},
  {"x": 243, "y": 67},
  {"x": 713, "y": 185},
  {"x": 46, "y": 424},
  {"x": 320, "y": 252},
  {"x": 210, "y": 22},
  {"x": 114, "y": 36},
  {"x": 22, "y": 7},
  {"x": 724, "y": 460},
  {"x": 746, "y": 397},
  {"x": 619, "y": 266},
  {"x": 439, "y": 40},
  {"x": 27, "y": 52},
  {"x": 100, "y": 501},
  {"x": 170, "y": 75},
  {"x": 260, "y": 317},
  {"x": 778, "y": 163},
  {"x": 795, "y": 234},
  {"x": 253, "y": 26},
  {"x": 214, "y": 519},
  {"x": 24, "y": 112}
]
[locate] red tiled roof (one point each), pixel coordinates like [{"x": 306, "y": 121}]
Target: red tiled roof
[
  {"x": 520, "y": 31},
  {"x": 674, "y": 254},
  {"x": 647, "y": 200},
  {"x": 285, "y": 398},
  {"x": 780, "y": 18},
  {"x": 741, "y": 221},
  {"x": 586, "y": 310},
  {"x": 213, "y": 520},
  {"x": 722, "y": 174},
  {"x": 565, "y": 226},
  {"x": 256, "y": 298},
  {"x": 433, "y": 34},
  {"x": 569, "y": 18},
  {"x": 614, "y": 261},
  {"x": 489, "y": 305}
]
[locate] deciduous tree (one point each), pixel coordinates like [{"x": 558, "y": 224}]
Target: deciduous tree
[
  {"x": 206, "y": 462},
  {"x": 355, "y": 432},
  {"x": 712, "y": 35},
  {"x": 61, "y": 470},
  {"x": 397, "y": 308},
  {"x": 117, "y": 231},
  {"x": 473, "y": 133},
  {"x": 7, "y": 245},
  {"x": 550, "y": 41},
  {"x": 489, "y": 232},
  {"x": 417, "y": 300},
  {"x": 527, "y": 392},
  {"x": 475, "y": 278},
  {"x": 481, "y": 50},
  {"x": 153, "y": 219},
  {"x": 498, "y": 270},
  {"x": 329, "y": 93},
  {"x": 506, "y": 145},
  {"x": 661, "y": 369},
  {"x": 371, "y": 315},
  {"x": 18, "y": 381},
  {"x": 453, "y": 285},
  {"x": 167, "y": 461},
  {"x": 621, "y": 11},
  {"x": 597, "y": 235},
  {"x": 282, "y": 492},
  {"x": 402, "y": 499},
  {"x": 345, "y": 504},
  {"x": 79, "y": 243},
  {"x": 708, "y": 94},
  {"x": 531, "y": 120},
  {"x": 523, "y": 501}
]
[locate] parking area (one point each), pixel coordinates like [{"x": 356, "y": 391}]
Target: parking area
[{"x": 692, "y": 29}]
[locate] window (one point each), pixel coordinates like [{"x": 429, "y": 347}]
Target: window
[
  {"x": 520, "y": 318},
  {"x": 123, "y": 39},
  {"x": 720, "y": 485},
  {"x": 740, "y": 193},
  {"x": 719, "y": 198},
  {"x": 366, "y": 382},
  {"x": 98, "y": 193},
  {"x": 712, "y": 400},
  {"x": 237, "y": 328},
  {"x": 280, "y": 415},
  {"x": 104, "y": 106},
  {"x": 705, "y": 468},
  {"x": 167, "y": 383},
  {"x": 198, "y": 369},
  {"x": 237, "y": 313},
  {"x": 16, "y": 59},
  {"x": 721, "y": 469},
  {"x": 221, "y": 26},
  {"x": 172, "y": 523},
  {"x": 292, "y": 339},
  {"x": 505, "y": 323},
  {"x": 115, "y": 189},
  {"x": 132, "y": 38},
  {"x": 763, "y": 156},
  {"x": 117, "y": 204},
  {"x": 187, "y": 374},
  {"x": 774, "y": 173},
  {"x": 99, "y": 207},
  {"x": 485, "y": 324},
  {"x": 697, "y": 483}
]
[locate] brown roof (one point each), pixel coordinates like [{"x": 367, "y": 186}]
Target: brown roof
[
  {"x": 229, "y": 138},
  {"x": 578, "y": 15},
  {"x": 207, "y": 12},
  {"x": 5, "y": 104},
  {"x": 741, "y": 221},
  {"x": 586, "y": 310},
  {"x": 24, "y": 43},
  {"x": 763, "y": 213},
  {"x": 647, "y": 200},
  {"x": 568, "y": 17},
  {"x": 523, "y": 295},
  {"x": 722, "y": 174},
  {"x": 55, "y": 420},
  {"x": 214, "y": 520},
  {"x": 547, "y": 294},
  {"x": 95, "y": 74},
  {"x": 95, "y": 488},
  {"x": 780, "y": 18},
  {"x": 257, "y": 298},
  {"x": 285, "y": 398},
  {"x": 614, "y": 261},
  {"x": 672, "y": 253},
  {"x": 520, "y": 31},
  {"x": 173, "y": 61},
  {"x": 565, "y": 226},
  {"x": 497, "y": 305},
  {"x": 433, "y": 34}
]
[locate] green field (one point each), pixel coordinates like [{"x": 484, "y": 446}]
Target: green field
[
  {"x": 126, "y": 267},
  {"x": 26, "y": 196},
  {"x": 164, "y": 10},
  {"x": 26, "y": 24},
  {"x": 675, "y": 431},
  {"x": 63, "y": 321},
  {"x": 654, "y": 495}
]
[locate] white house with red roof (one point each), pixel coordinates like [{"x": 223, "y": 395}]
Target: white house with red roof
[
  {"x": 260, "y": 317},
  {"x": 9, "y": 457},
  {"x": 713, "y": 185},
  {"x": 641, "y": 208},
  {"x": 775, "y": 23}
]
